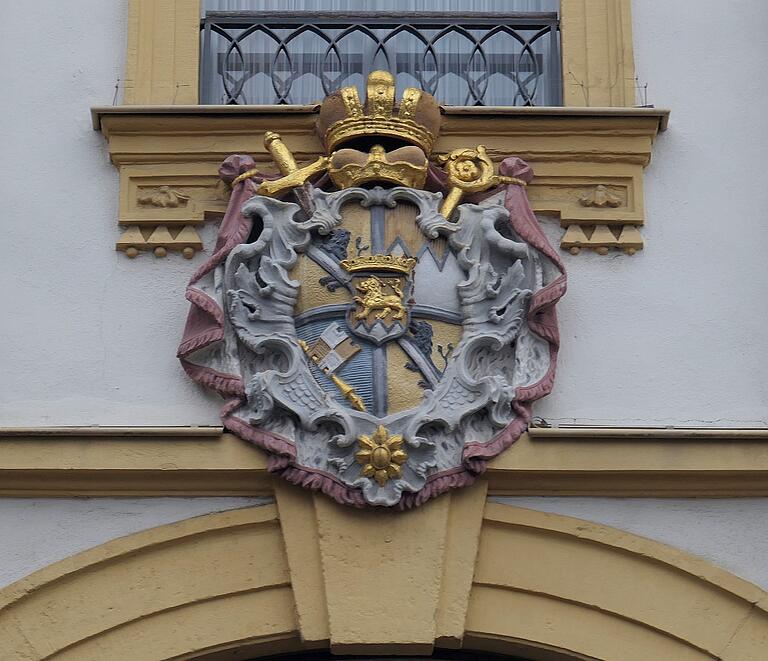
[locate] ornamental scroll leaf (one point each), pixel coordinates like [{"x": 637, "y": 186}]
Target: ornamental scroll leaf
[{"x": 601, "y": 197}]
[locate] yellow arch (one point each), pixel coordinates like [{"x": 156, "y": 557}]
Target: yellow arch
[
  {"x": 599, "y": 592},
  {"x": 216, "y": 581},
  {"x": 544, "y": 586}
]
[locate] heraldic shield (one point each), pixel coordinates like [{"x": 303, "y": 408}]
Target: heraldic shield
[{"x": 380, "y": 342}]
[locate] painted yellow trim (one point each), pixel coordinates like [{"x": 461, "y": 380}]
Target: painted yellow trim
[
  {"x": 544, "y": 462},
  {"x": 461, "y": 544},
  {"x": 655, "y": 433},
  {"x": 300, "y": 531},
  {"x": 541, "y": 585},
  {"x": 163, "y": 53},
  {"x": 125, "y": 461},
  {"x": 597, "y": 56},
  {"x": 565, "y": 569},
  {"x": 158, "y": 594}
]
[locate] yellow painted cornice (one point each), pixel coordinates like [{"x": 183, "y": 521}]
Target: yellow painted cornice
[
  {"x": 661, "y": 114},
  {"x": 588, "y": 163},
  {"x": 165, "y": 461}
]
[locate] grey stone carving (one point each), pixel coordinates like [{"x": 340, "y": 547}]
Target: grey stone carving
[{"x": 468, "y": 396}]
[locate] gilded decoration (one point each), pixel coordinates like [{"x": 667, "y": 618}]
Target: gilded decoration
[
  {"x": 380, "y": 295},
  {"x": 395, "y": 264},
  {"x": 470, "y": 171},
  {"x": 383, "y": 298},
  {"x": 406, "y": 166},
  {"x": 440, "y": 332},
  {"x": 381, "y": 455},
  {"x": 572, "y": 152}
]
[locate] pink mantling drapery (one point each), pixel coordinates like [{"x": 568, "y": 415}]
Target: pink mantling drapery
[{"x": 203, "y": 355}]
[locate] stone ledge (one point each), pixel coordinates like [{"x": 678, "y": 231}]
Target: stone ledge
[
  {"x": 588, "y": 162},
  {"x": 178, "y": 461}
]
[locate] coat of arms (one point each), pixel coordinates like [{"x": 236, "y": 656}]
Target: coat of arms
[{"x": 382, "y": 331}]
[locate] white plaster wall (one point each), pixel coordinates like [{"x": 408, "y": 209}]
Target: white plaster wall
[
  {"x": 729, "y": 532},
  {"x": 35, "y": 532},
  {"x": 673, "y": 335},
  {"x": 677, "y": 334},
  {"x": 88, "y": 336}
]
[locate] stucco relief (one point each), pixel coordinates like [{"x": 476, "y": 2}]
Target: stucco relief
[{"x": 382, "y": 344}]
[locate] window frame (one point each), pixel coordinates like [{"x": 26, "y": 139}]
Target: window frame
[
  {"x": 333, "y": 26},
  {"x": 597, "y": 63}
]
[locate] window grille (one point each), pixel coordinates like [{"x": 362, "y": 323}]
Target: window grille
[{"x": 298, "y": 57}]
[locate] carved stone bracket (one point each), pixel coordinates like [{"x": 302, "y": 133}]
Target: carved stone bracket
[
  {"x": 588, "y": 163},
  {"x": 601, "y": 238},
  {"x": 160, "y": 240}
]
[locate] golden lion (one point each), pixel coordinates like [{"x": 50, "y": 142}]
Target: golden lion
[{"x": 373, "y": 299}]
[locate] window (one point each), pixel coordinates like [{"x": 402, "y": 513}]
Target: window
[{"x": 464, "y": 52}]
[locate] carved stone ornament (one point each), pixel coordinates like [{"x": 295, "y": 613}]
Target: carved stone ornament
[{"x": 378, "y": 350}]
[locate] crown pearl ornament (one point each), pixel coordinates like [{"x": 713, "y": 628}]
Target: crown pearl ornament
[
  {"x": 406, "y": 166},
  {"x": 386, "y": 263}
]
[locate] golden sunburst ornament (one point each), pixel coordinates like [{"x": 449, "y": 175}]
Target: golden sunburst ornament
[{"x": 381, "y": 455}]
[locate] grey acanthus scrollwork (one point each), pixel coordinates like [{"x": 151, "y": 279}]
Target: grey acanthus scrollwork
[
  {"x": 473, "y": 390},
  {"x": 261, "y": 299},
  {"x": 493, "y": 299}
]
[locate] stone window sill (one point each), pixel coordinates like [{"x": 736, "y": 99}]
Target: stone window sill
[{"x": 588, "y": 163}]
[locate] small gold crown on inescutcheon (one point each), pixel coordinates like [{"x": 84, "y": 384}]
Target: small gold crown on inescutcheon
[{"x": 387, "y": 263}]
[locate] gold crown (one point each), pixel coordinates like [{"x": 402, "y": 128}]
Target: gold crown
[
  {"x": 343, "y": 118},
  {"x": 406, "y": 166},
  {"x": 392, "y": 263}
]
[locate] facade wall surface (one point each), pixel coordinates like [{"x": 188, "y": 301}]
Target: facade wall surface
[
  {"x": 668, "y": 336},
  {"x": 674, "y": 335},
  {"x": 39, "y": 531},
  {"x": 729, "y": 533}
]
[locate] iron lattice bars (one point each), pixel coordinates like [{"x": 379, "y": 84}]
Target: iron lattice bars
[{"x": 299, "y": 57}]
